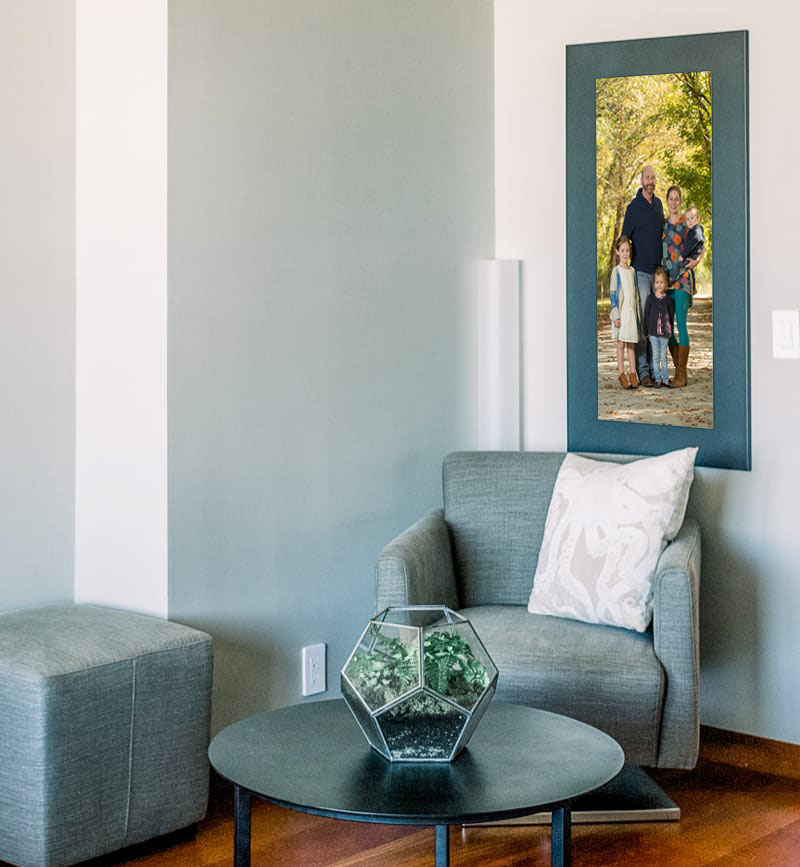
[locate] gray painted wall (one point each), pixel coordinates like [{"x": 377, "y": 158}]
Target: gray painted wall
[
  {"x": 330, "y": 186},
  {"x": 37, "y": 301}
]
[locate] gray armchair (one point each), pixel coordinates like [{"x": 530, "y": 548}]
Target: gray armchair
[{"x": 478, "y": 555}]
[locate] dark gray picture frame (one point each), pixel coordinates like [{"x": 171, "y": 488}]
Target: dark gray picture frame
[{"x": 728, "y": 443}]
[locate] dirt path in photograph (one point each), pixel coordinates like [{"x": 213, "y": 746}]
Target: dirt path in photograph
[{"x": 692, "y": 406}]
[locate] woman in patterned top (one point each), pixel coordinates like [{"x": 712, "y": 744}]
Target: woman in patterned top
[{"x": 681, "y": 290}]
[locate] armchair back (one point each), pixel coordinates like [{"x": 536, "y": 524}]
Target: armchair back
[{"x": 495, "y": 505}]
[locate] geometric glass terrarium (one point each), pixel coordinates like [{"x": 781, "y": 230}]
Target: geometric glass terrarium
[{"x": 418, "y": 682}]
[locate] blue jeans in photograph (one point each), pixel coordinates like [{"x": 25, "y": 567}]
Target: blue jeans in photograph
[
  {"x": 659, "y": 349},
  {"x": 644, "y": 356}
]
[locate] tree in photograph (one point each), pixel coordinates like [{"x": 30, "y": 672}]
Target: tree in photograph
[
  {"x": 630, "y": 134},
  {"x": 663, "y": 120},
  {"x": 620, "y": 135},
  {"x": 688, "y": 109}
]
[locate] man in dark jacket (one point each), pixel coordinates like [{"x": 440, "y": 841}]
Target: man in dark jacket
[{"x": 644, "y": 224}]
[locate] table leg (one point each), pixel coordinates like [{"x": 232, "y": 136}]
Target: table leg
[
  {"x": 561, "y": 846},
  {"x": 442, "y": 846},
  {"x": 241, "y": 828}
]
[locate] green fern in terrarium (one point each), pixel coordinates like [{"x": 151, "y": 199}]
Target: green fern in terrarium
[
  {"x": 388, "y": 671},
  {"x": 391, "y": 668},
  {"x": 451, "y": 668}
]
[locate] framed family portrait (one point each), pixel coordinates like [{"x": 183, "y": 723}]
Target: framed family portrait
[{"x": 658, "y": 304}]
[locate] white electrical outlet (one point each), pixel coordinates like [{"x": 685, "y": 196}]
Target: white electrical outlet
[{"x": 314, "y": 669}]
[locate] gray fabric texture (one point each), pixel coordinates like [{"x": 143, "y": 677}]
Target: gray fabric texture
[
  {"x": 416, "y": 568},
  {"x": 495, "y": 504},
  {"x": 601, "y": 675},
  {"x": 64, "y": 746},
  {"x": 60, "y": 639},
  {"x": 676, "y": 636},
  {"x": 104, "y": 725},
  {"x": 642, "y": 688}
]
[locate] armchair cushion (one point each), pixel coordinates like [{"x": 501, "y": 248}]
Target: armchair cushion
[
  {"x": 601, "y": 675},
  {"x": 606, "y": 528}
]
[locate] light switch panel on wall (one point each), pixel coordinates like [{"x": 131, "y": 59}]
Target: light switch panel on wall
[{"x": 785, "y": 334}]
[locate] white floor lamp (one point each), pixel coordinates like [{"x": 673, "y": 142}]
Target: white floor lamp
[{"x": 499, "y": 414}]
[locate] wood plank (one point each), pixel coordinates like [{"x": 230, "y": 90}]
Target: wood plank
[{"x": 779, "y": 848}]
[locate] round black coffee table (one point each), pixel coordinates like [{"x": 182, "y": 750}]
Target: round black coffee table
[{"x": 313, "y": 758}]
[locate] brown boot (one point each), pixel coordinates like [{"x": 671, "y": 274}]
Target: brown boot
[
  {"x": 680, "y": 370},
  {"x": 623, "y": 381},
  {"x": 633, "y": 379},
  {"x": 673, "y": 351}
]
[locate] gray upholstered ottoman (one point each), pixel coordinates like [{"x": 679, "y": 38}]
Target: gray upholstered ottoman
[{"x": 104, "y": 726}]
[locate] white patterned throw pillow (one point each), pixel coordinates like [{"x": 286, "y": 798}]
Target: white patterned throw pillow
[{"x": 606, "y": 528}]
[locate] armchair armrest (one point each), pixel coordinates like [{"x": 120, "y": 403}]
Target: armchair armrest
[
  {"x": 676, "y": 594},
  {"x": 416, "y": 568}
]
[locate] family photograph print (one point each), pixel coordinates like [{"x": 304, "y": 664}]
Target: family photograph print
[{"x": 655, "y": 296}]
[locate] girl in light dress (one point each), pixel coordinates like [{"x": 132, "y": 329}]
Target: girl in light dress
[{"x": 625, "y": 327}]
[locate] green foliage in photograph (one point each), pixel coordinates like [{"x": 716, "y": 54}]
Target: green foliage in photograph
[
  {"x": 661, "y": 120},
  {"x": 687, "y": 108}
]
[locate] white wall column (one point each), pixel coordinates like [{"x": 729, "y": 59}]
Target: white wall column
[{"x": 121, "y": 306}]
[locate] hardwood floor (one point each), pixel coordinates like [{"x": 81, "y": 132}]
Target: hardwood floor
[{"x": 740, "y": 808}]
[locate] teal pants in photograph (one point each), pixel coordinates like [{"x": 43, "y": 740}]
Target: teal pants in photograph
[{"x": 681, "y": 300}]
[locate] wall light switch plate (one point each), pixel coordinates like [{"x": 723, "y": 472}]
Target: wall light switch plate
[{"x": 785, "y": 334}]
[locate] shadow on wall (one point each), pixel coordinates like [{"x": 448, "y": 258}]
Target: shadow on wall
[{"x": 730, "y": 622}]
